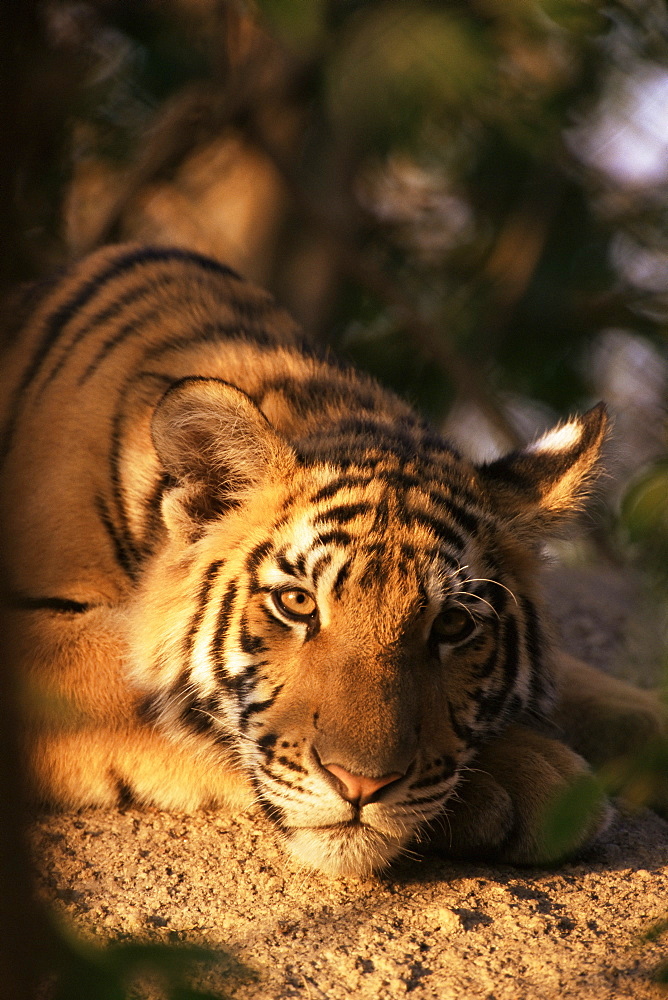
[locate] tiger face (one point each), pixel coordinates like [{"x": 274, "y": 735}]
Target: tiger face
[
  {"x": 243, "y": 566},
  {"x": 347, "y": 631}
]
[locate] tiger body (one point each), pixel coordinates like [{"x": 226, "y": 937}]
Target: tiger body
[{"x": 239, "y": 572}]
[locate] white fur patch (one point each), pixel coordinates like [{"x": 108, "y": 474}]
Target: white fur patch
[
  {"x": 237, "y": 662},
  {"x": 560, "y": 439}
]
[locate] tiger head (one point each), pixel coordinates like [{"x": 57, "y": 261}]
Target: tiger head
[{"x": 347, "y": 615}]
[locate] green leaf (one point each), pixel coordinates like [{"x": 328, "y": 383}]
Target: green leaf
[
  {"x": 571, "y": 814},
  {"x": 645, "y": 516}
]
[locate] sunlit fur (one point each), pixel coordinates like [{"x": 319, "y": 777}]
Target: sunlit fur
[{"x": 175, "y": 457}]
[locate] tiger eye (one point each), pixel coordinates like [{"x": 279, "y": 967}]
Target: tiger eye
[
  {"x": 452, "y": 625},
  {"x": 295, "y": 603}
]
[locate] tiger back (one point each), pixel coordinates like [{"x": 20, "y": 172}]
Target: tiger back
[{"x": 239, "y": 571}]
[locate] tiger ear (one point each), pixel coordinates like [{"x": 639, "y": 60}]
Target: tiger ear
[
  {"x": 215, "y": 446},
  {"x": 537, "y": 488}
]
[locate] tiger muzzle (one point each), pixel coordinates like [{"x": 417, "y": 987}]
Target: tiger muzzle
[{"x": 358, "y": 789}]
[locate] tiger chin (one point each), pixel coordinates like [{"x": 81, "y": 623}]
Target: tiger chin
[{"x": 238, "y": 572}]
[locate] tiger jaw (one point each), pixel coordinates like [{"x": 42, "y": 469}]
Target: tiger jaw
[
  {"x": 324, "y": 831},
  {"x": 364, "y": 843},
  {"x": 346, "y": 848}
]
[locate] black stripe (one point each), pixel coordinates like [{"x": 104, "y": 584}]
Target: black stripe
[
  {"x": 206, "y": 334},
  {"x": 256, "y": 555},
  {"x": 115, "y": 481},
  {"x": 343, "y": 513},
  {"x": 274, "y": 813},
  {"x": 312, "y": 628},
  {"x": 441, "y": 495},
  {"x": 118, "y": 545},
  {"x": 138, "y": 549},
  {"x": 311, "y": 453},
  {"x": 542, "y": 687},
  {"x": 493, "y": 706},
  {"x": 102, "y": 317},
  {"x": 135, "y": 327},
  {"x": 424, "y": 799},
  {"x": 318, "y": 392},
  {"x": 273, "y": 620},
  {"x": 514, "y": 708},
  {"x": 448, "y": 767},
  {"x": 149, "y": 709},
  {"x": 253, "y": 561},
  {"x": 333, "y": 537},
  {"x": 321, "y": 563},
  {"x": 341, "y": 577},
  {"x": 199, "y": 715},
  {"x": 511, "y": 648},
  {"x": 376, "y": 565},
  {"x": 493, "y": 592},
  {"x": 400, "y": 480},
  {"x": 126, "y": 262},
  {"x": 291, "y": 765},
  {"x": 533, "y": 633},
  {"x": 301, "y": 563},
  {"x": 248, "y": 642},
  {"x": 22, "y": 306},
  {"x": 285, "y": 565},
  {"x": 201, "y": 334},
  {"x": 381, "y": 521},
  {"x": 277, "y": 779},
  {"x": 266, "y": 745},
  {"x": 337, "y": 485},
  {"x": 409, "y": 551},
  {"x": 202, "y": 602},
  {"x": 62, "y": 605},
  {"x": 259, "y": 706},
  {"x": 487, "y": 667},
  {"x": 125, "y": 796},
  {"x": 462, "y": 518},
  {"x": 462, "y": 731},
  {"x": 252, "y": 311},
  {"x": 243, "y": 683},
  {"x": 438, "y": 528},
  {"x": 153, "y": 521},
  {"x": 405, "y": 437},
  {"x": 220, "y": 633}
]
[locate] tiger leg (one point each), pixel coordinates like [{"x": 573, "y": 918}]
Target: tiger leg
[
  {"x": 91, "y": 766},
  {"x": 502, "y": 807},
  {"x": 620, "y": 729},
  {"x": 86, "y": 744}
]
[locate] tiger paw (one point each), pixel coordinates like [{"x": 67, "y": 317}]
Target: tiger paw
[{"x": 528, "y": 799}]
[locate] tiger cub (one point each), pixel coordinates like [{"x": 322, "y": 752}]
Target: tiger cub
[{"x": 237, "y": 572}]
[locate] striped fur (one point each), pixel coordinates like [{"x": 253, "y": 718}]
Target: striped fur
[{"x": 181, "y": 472}]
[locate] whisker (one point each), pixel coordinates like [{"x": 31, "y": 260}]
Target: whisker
[
  {"x": 466, "y": 593},
  {"x": 482, "y": 579}
]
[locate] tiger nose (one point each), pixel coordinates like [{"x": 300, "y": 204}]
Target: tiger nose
[{"x": 358, "y": 788}]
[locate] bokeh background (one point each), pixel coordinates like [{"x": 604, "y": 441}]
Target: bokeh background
[
  {"x": 469, "y": 198},
  {"x": 466, "y": 198}
]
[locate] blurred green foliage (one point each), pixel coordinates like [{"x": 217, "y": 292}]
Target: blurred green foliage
[
  {"x": 434, "y": 141},
  {"x": 82, "y": 971},
  {"x": 645, "y": 519},
  {"x": 571, "y": 814}
]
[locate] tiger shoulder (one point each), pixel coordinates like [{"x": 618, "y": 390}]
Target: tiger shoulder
[{"x": 239, "y": 571}]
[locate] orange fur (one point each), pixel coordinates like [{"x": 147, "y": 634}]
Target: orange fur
[{"x": 173, "y": 462}]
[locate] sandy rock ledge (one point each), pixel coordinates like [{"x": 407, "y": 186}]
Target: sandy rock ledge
[{"x": 428, "y": 928}]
